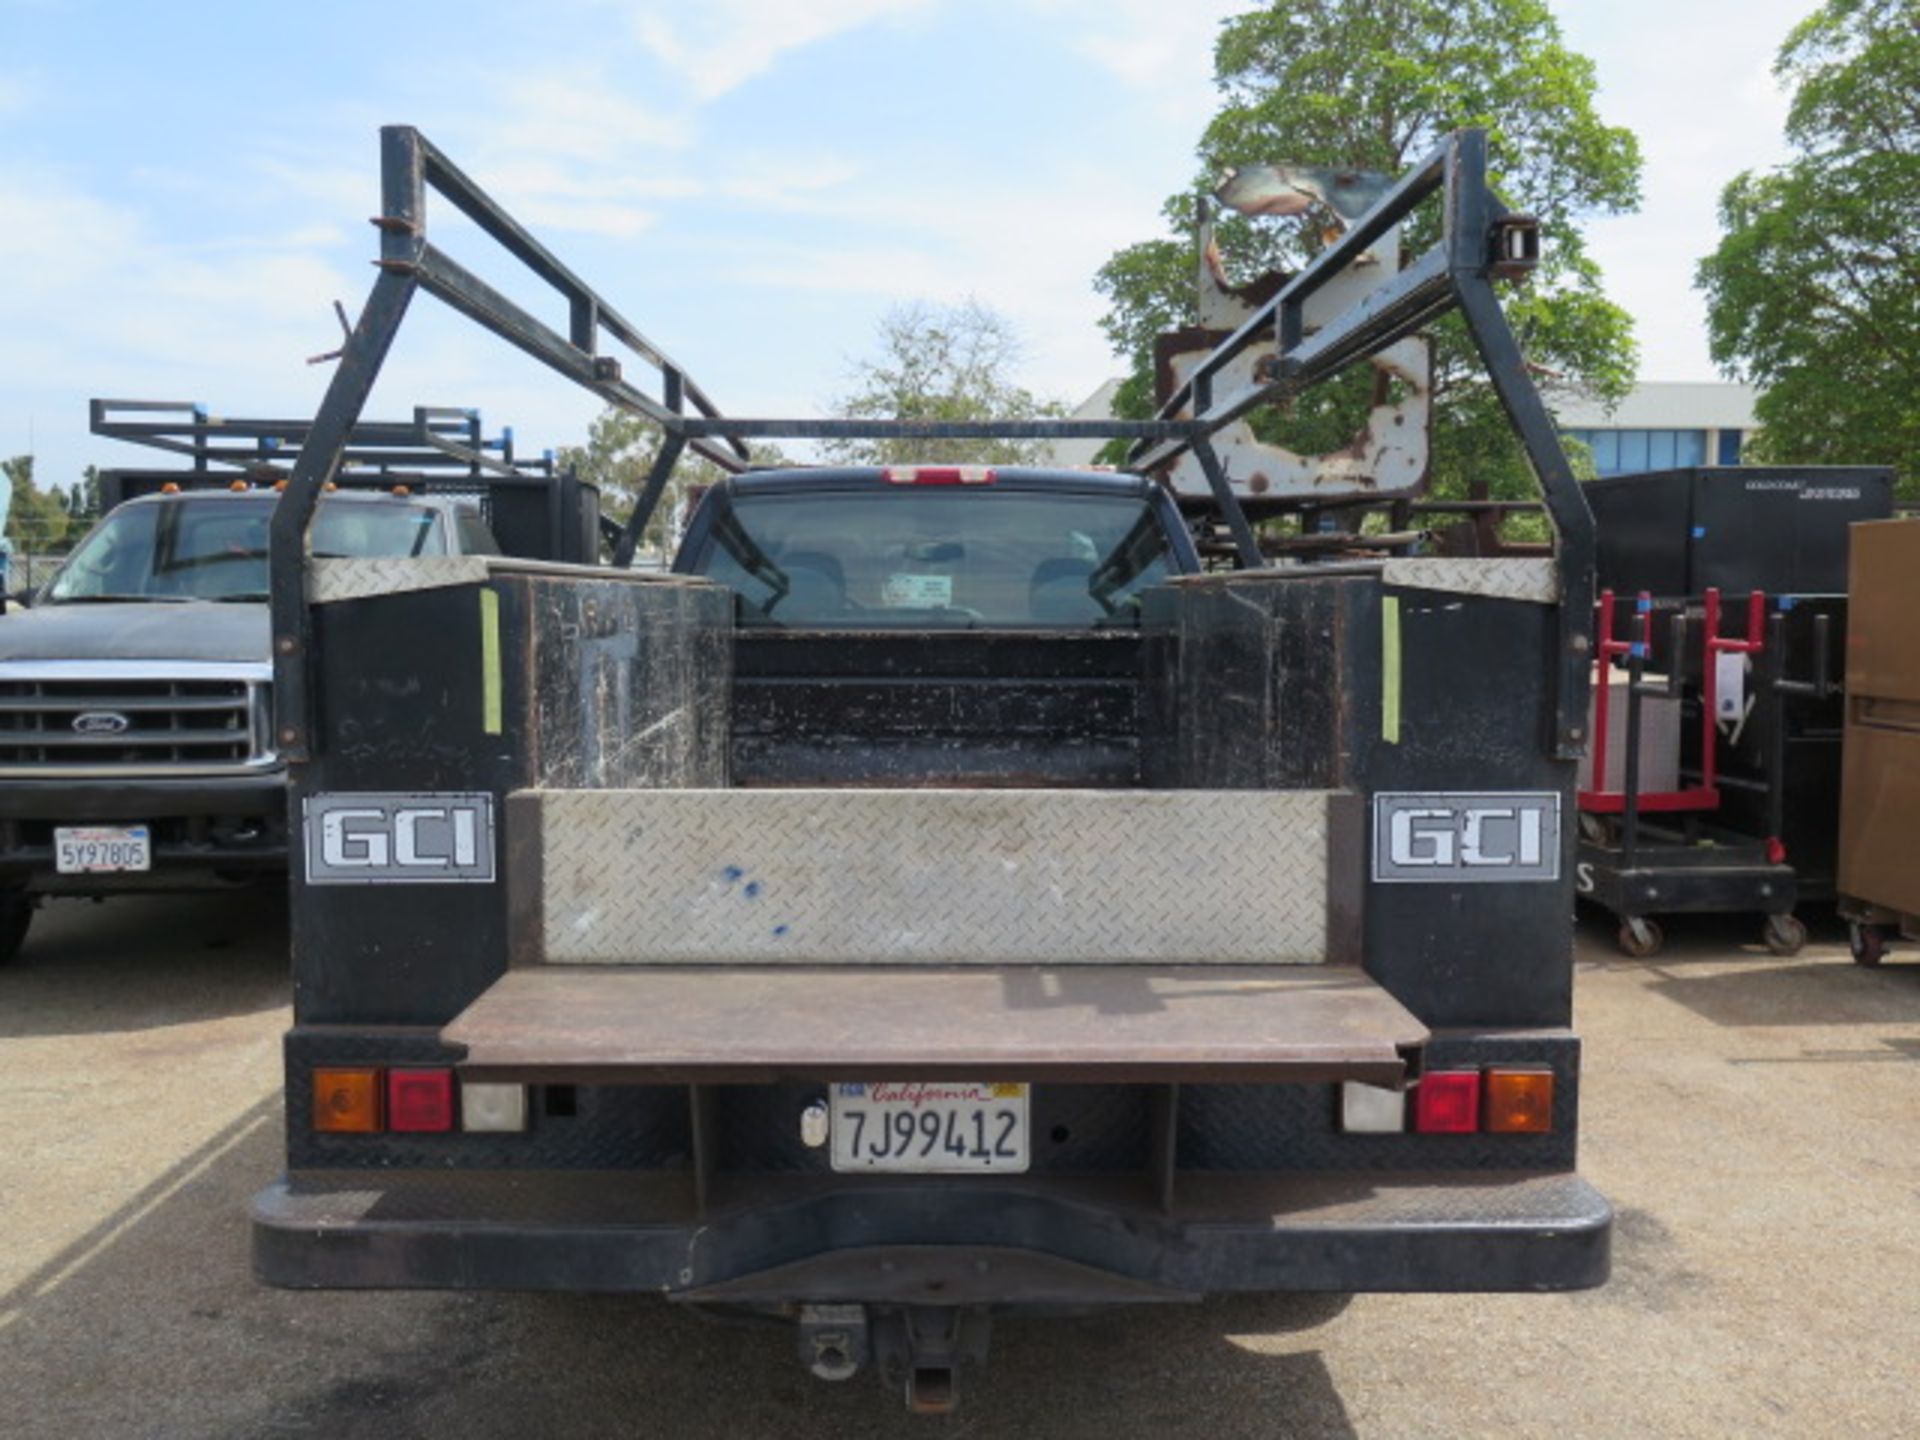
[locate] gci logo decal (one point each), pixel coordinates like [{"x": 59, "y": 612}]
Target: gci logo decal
[
  {"x": 1457, "y": 838},
  {"x": 375, "y": 839}
]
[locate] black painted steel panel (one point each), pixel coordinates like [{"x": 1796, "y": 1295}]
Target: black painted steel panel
[
  {"x": 974, "y": 708},
  {"x": 1781, "y": 529},
  {"x": 583, "y": 1232},
  {"x": 1278, "y": 682},
  {"x": 601, "y": 681}
]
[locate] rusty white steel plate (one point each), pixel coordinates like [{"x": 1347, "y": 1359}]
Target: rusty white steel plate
[
  {"x": 924, "y": 876},
  {"x": 752, "y": 1023}
]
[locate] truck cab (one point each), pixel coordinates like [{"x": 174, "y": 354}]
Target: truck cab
[
  {"x": 136, "y": 747},
  {"x": 937, "y": 625},
  {"x": 937, "y": 547}
]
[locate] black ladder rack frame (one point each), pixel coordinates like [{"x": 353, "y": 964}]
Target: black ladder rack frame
[
  {"x": 439, "y": 442},
  {"x": 1481, "y": 241}
]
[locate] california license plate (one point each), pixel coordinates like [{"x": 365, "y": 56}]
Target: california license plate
[
  {"x": 101, "y": 849},
  {"x": 929, "y": 1128}
]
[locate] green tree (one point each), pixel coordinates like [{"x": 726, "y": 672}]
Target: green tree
[
  {"x": 941, "y": 362},
  {"x": 619, "y": 455},
  {"x": 36, "y": 520},
  {"x": 1814, "y": 291},
  {"x": 1375, "y": 84},
  {"x": 82, "y": 502}
]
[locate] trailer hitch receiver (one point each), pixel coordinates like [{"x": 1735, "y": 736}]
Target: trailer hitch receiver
[{"x": 922, "y": 1348}]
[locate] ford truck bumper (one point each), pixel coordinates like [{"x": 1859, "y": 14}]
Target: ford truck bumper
[{"x": 201, "y": 826}]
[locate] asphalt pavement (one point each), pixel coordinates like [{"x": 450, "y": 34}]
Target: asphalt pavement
[{"x": 1756, "y": 1122}]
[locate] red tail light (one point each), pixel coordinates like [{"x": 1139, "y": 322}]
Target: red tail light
[
  {"x": 938, "y": 474},
  {"x": 420, "y": 1100},
  {"x": 1447, "y": 1102}
]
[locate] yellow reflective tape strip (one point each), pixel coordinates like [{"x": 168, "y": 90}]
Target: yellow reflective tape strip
[
  {"x": 490, "y": 705},
  {"x": 1390, "y": 669}
]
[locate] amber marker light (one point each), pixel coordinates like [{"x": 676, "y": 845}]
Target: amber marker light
[
  {"x": 1520, "y": 1102},
  {"x": 347, "y": 1102}
]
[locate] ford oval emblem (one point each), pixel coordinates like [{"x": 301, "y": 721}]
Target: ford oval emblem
[{"x": 101, "y": 722}]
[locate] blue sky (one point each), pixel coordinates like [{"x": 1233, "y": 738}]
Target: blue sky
[{"x": 185, "y": 188}]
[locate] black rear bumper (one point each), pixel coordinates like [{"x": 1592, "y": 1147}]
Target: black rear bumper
[{"x": 1083, "y": 1241}]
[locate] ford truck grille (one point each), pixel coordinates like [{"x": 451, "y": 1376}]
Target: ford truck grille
[{"x": 127, "y": 726}]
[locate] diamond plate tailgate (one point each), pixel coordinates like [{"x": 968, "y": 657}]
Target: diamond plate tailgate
[
  {"x": 657, "y": 1024},
  {"x": 938, "y": 877}
]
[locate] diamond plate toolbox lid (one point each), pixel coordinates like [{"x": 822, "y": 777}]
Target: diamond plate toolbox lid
[{"x": 920, "y": 876}]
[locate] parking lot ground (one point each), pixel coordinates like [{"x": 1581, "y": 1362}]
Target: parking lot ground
[{"x": 1755, "y": 1120}]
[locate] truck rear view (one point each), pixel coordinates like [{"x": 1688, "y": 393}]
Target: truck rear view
[{"x": 941, "y": 895}]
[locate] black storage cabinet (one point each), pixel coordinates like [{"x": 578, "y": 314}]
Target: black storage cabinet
[{"x": 1777, "y": 528}]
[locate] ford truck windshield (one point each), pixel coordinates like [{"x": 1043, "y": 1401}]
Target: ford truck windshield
[
  {"x": 915, "y": 557},
  {"x": 216, "y": 548}
]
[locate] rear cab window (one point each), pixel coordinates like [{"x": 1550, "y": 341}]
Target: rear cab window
[
  {"x": 472, "y": 534},
  {"x": 841, "y": 555}
]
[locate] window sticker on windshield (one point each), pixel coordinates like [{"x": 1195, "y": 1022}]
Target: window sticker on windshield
[{"x": 919, "y": 592}]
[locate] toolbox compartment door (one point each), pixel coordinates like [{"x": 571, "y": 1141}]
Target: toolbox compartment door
[
  {"x": 753, "y": 1023},
  {"x": 934, "y": 876}
]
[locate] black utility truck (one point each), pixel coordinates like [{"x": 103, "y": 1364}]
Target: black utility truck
[
  {"x": 136, "y": 748},
  {"x": 943, "y": 894}
]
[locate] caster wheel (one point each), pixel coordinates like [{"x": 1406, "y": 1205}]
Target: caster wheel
[
  {"x": 1595, "y": 828},
  {"x": 1640, "y": 937},
  {"x": 1869, "y": 946},
  {"x": 1785, "y": 934}
]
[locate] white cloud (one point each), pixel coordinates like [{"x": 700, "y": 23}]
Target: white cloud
[
  {"x": 339, "y": 192},
  {"x": 18, "y": 93},
  {"x": 579, "y": 114},
  {"x": 794, "y": 181},
  {"x": 534, "y": 175},
  {"x": 1164, "y": 50},
  {"x": 1148, "y": 42},
  {"x": 915, "y": 250},
  {"x": 111, "y": 308},
  {"x": 1705, "y": 106},
  {"x": 571, "y": 149},
  {"x": 619, "y": 222},
  {"x": 895, "y": 272},
  {"x": 721, "y": 44}
]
